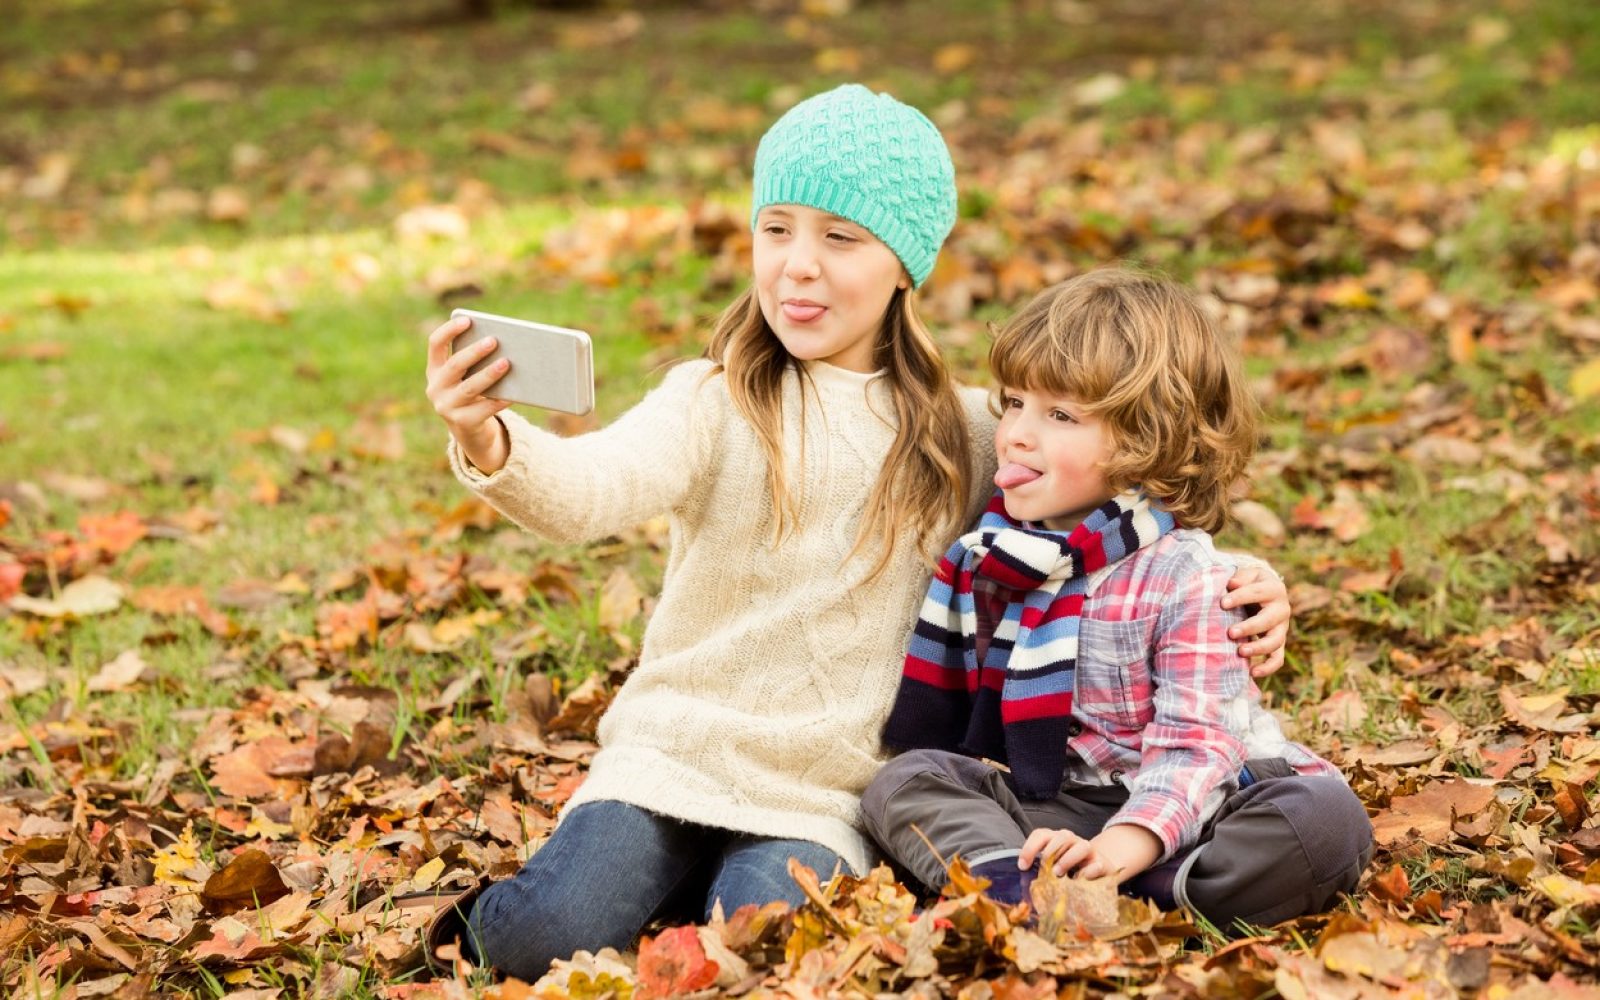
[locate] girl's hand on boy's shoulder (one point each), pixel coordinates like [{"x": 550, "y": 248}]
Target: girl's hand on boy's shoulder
[{"x": 1268, "y": 628}]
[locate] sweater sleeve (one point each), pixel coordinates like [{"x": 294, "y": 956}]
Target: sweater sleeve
[{"x": 586, "y": 487}]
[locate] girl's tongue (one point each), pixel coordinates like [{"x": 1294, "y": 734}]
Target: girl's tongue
[
  {"x": 1012, "y": 475},
  {"x": 802, "y": 312}
]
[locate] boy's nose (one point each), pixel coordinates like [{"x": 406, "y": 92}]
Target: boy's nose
[{"x": 1018, "y": 435}]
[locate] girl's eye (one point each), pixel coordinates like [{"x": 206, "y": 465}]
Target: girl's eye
[
  {"x": 773, "y": 229},
  {"x": 841, "y": 237},
  {"x": 1010, "y": 402},
  {"x": 1063, "y": 415}
]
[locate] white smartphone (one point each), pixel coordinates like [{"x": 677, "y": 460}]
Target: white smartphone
[{"x": 551, "y": 366}]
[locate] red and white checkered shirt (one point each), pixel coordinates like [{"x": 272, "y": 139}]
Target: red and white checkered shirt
[{"x": 1163, "y": 703}]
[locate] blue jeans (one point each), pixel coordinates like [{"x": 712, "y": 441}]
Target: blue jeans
[{"x": 612, "y": 868}]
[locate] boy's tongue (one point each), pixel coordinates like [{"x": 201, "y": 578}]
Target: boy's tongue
[{"x": 1012, "y": 475}]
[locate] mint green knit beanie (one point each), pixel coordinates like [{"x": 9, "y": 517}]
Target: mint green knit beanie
[{"x": 868, "y": 158}]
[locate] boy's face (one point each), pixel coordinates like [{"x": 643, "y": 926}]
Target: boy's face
[
  {"x": 823, "y": 284},
  {"x": 1051, "y": 453}
]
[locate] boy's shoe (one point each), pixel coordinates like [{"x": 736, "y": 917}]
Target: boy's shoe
[{"x": 1007, "y": 884}]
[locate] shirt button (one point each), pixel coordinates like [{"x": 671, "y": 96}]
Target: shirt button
[
  {"x": 1074, "y": 728},
  {"x": 1116, "y": 777}
]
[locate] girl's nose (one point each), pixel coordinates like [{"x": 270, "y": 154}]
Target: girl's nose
[{"x": 801, "y": 263}]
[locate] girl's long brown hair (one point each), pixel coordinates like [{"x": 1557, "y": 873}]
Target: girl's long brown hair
[{"x": 923, "y": 486}]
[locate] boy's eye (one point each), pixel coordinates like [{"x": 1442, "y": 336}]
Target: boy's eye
[
  {"x": 841, "y": 237},
  {"x": 1010, "y": 402},
  {"x": 1063, "y": 415},
  {"x": 773, "y": 228}
]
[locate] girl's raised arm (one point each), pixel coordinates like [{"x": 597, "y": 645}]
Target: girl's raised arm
[{"x": 593, "y": 485}]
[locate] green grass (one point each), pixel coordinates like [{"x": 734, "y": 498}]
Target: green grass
[{"x": 158, "y": 392}]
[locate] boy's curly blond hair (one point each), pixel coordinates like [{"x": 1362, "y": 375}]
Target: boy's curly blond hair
[{"x": 1138, "y": 351}]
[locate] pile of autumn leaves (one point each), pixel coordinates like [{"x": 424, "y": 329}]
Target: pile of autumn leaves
[{"x": 869, "y": 937}]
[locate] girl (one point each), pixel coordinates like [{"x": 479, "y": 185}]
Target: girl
[{"x": 812, "y": 463}]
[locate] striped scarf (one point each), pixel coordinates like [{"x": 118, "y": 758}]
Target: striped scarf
[{"x": 1028, "y": 583}]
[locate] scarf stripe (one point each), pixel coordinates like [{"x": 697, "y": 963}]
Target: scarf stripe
[{"x": 1029, "y": 584}]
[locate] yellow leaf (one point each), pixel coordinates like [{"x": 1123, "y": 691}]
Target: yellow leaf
[
  {"x": 838, "y": 60},
  {"x": 620, "y": 601},
  {"x": 1564, "y": 891},
  {"x": 1586, "y": 380},
  {"x": 427, "y": 874},
  {"x": 954, "y": 58},
  {"x": 449, "y": 631},
  {"x": 180, "y": 864},
  {"x": 264, "y": 827}
]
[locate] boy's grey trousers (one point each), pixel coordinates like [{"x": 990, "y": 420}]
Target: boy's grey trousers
[{"x": 1282, "y": 847}]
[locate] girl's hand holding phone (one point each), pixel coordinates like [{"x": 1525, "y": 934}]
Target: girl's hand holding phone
[{"x": 460, "y": 400}]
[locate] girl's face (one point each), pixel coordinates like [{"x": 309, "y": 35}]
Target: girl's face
[
  {"x": 1051, "y": 455},
  {"x": 824, "y": 284}
]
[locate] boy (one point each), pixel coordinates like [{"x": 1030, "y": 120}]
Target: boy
[{"x": 1076, "y": 635}]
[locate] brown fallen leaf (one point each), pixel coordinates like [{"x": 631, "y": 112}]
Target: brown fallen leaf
[
  {"x": 250, "y": 771},
  {"x": 581, "y": 710},
  {"x": 367, "y": 745},
  {"x": 247, "y": 882},
  {"x": 1429, "y": 814},
  {"x": 1542, "y": 711},
  {"x": 1343, "y": 711}
]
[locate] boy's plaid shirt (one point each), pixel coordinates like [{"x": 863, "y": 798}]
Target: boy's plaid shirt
[{"x": 1163, "y": 703}]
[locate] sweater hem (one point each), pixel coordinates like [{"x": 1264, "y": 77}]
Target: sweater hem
[{"x": 666, "y": 796}]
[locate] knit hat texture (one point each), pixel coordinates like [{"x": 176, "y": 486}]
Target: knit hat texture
[{"x": 868, "y": 158}]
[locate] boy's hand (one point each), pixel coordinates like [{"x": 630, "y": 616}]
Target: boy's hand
[
  {"x": 1065, "y": 848},
  {"x": 1251, "y": 585},
  {"x": 461, "y": 402},
  {"x": 1122, "y": 850}
]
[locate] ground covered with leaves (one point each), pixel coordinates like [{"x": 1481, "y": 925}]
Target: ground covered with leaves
[{"x": 273, "y": 685}]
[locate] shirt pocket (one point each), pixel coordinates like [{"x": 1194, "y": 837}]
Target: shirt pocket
[{"x": 1113, "y": 672}]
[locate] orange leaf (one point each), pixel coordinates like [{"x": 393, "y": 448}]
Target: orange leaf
[
  {"x": 248, "y": 771},
  {"x": 1392, "y": 885},
  {"x": 673, "y": 963},
  {"x": 112, "y": 534},
  {"x": 232, "y": 941},
  {"x": 11, "y": 575}
]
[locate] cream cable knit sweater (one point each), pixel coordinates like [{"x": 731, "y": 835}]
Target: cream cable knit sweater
[{"x": 766, "y": 673}]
